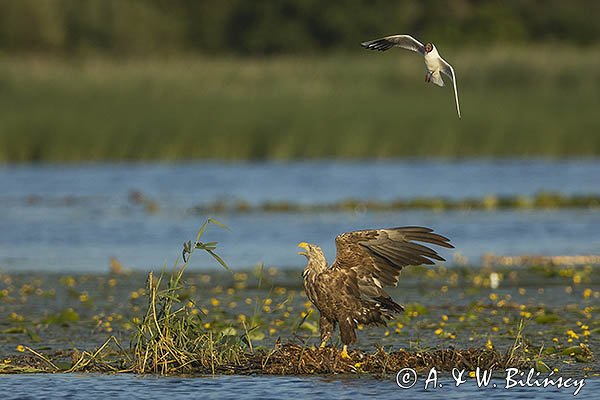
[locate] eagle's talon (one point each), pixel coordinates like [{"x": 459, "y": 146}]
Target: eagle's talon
[{"x": 344, "y": 353}]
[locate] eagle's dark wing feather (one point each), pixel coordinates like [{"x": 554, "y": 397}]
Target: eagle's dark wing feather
[{"x": 377, "y": 256}]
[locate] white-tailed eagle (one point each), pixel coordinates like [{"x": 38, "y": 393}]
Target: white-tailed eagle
[{"x": 350, "y": 291}]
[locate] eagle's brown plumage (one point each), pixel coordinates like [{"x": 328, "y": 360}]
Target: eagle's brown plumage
[{"x": 350, "y": 292}]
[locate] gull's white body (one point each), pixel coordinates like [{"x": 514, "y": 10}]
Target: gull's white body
[{"x": 435, "y": 65}]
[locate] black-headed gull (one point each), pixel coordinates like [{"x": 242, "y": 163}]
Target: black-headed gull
[{"x": 434, "y": 63}]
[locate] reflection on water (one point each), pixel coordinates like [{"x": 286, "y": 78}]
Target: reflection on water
[
  {"x": 92, "y": 386},
  {"x": 75, "y": 217}
]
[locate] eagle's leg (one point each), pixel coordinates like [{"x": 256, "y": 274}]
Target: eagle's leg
[
  {"x": 327, "y": 327},
  {"x": 428, "y": 76},
  {"x": 348, "y": 335}
]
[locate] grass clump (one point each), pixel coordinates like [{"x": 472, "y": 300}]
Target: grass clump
[{"x": 172, "y": 338}]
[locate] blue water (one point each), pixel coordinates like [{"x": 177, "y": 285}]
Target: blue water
[
  {"x": 93, "y": 386},
  {"x": 75, "y": 217}
]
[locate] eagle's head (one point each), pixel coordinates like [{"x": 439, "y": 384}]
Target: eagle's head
[
  {"x": 429, "y": 47},
  {"x": 315, "y": 256}
]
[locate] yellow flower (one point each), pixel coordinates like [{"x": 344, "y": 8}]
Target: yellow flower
[
  {"x": 526, "y": 314},
  {"x": 134, "y": 295},
  {"x": 587, "y": 293},
  {"x": 279, "y": 290},
  {"x": 16, "y": 317},
  {"x": 493, "y": 296},
  {"x": 268, "y": 302},
  {"x": 439, "y": 331},
  {"x": 489, "y": 345},
  {"x": 572, "y": 334},
  {"x": 215, "y": 302},
  {"x": 240, "y": 276},
  {"x": 472, "y": 374},
  {"x": 207, "y": 325},
  {"x": 444, "y": 317},
  {"x": 20, "y": 348}
]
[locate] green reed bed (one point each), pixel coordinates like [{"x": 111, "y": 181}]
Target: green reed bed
[
  {"x": 515, "y": 101},
  {"x": 542, "y": 200}
]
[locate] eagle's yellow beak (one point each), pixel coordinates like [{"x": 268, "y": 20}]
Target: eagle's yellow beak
[{"x": 304, "y": 245}]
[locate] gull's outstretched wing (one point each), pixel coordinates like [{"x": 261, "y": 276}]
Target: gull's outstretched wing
[
  {"x": 449, "y": 71},
  {"x": 405, "y": 41}
]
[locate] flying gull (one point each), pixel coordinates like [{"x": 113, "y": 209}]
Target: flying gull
[{"x": 434, "y": 63}]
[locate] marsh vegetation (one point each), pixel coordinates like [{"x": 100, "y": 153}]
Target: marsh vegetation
[
  {"x": 261, "y": 322},
  {"x": 529, "y": 101}
]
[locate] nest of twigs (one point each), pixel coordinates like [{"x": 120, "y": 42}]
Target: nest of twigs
[{"x": 294, "y": 359}]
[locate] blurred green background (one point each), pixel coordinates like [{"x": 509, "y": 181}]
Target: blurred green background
[{"x": 180, "y": 79}]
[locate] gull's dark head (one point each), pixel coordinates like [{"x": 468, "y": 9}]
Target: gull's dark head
[{"x": 428, "y": 47}]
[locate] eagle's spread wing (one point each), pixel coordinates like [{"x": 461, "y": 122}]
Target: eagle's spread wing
[
  {"x": 405, "y": 41},
  {"x": 377, "y": 256}
]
